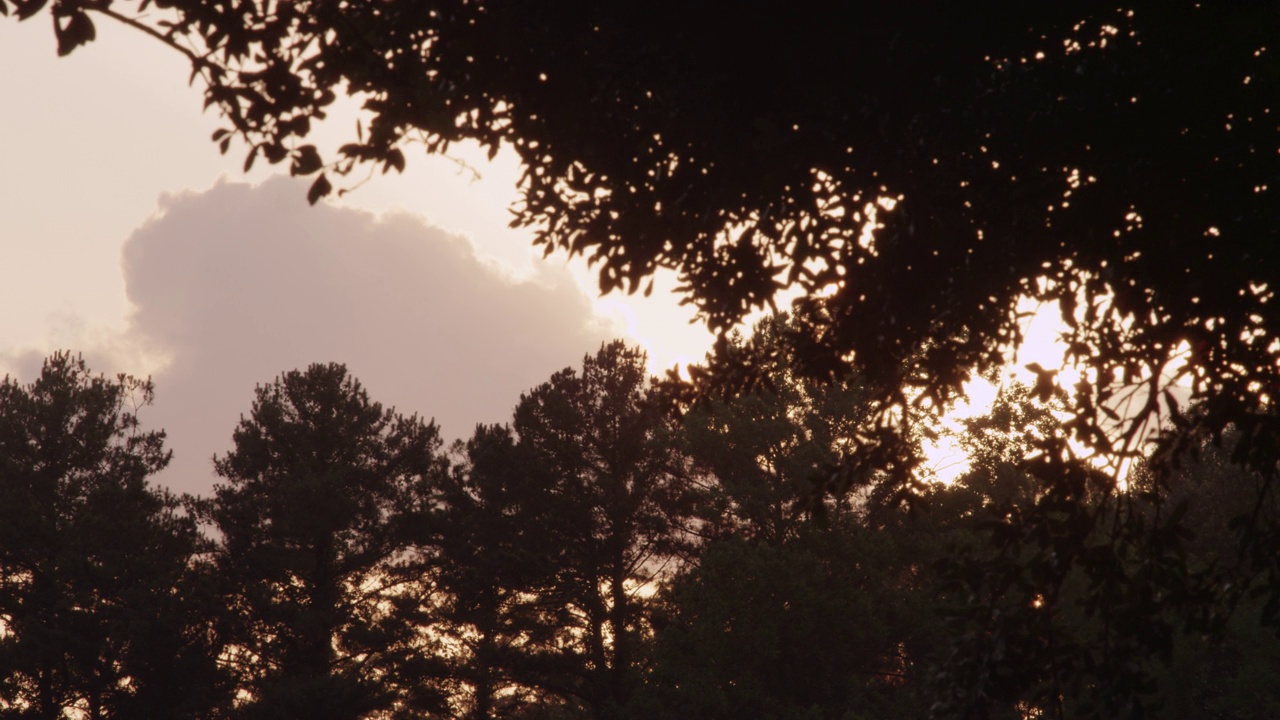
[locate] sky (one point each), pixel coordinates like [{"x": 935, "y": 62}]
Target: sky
[{"x": 127, "y": 237}]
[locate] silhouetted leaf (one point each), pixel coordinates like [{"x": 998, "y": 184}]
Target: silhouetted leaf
[
  {"x": 73, "y": 31},
  {"x": 274, "y": 152},
  {"x": 395, "y": 159},
  {"x": 320, "y": 188},
  {"x": 306, "y": 160},
  {"x": 28, "y": 8}
]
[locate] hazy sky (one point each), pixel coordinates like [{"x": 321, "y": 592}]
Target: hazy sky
[{"x": 125, "y": 235}]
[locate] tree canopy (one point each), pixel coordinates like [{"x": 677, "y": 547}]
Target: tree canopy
[
  {"x": 914, "y": 171},
  {"x": 94, "y": 560},
  {"x": 323, "y": 491},
  {"x": 618, "y": 510},
  {"x": 760, "y": 458}
]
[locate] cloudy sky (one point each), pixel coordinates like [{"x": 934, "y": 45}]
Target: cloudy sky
[{"x": 126, "y": 236}]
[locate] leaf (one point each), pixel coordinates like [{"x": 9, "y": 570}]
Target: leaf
[
  {"x": 274, "y": 152},
  {"x": 320, "y": 188},
  {"x": 253, "y": 155},
  {"x": 306, "y": 160},
  {"x": 1044, "y": 381},
  {"x": 77, "y": 31},
  {"x": 300, "y": 126},
  {"x": 27, "y": 8},
  {"x": 395, "y": 159}
]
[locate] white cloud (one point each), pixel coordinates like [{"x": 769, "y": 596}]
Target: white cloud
[{"x": 236, "y": 284}]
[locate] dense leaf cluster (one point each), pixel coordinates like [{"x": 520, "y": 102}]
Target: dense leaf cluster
[{"x": 914, "y": 171}]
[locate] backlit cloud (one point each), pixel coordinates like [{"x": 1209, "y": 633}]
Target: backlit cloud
[{"x": 236, "y": 284}]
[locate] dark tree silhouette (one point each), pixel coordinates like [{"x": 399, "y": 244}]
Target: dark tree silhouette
[
  {"x": 833, "y": 622},
  {"x": 763, "y": 458},
  {"x": 496, "y": 563},
  {"x": 599, "y": 441},
  {"x": 1224, "y": 674},
  {"x": 799, "y": 603},
  {"x": 319, "y": 519},
  {"x": 93, "y": 559},
  {"x": 1084, "y": 602}
]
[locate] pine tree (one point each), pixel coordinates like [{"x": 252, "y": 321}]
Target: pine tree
[
  {"x": 618, "y": 516},
  {"x": 93, "y": 558},
  {"x": 319, "y": 522}
]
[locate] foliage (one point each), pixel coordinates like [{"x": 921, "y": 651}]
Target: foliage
[
  {"x": 763, "y": 458},
  {"x": 1212, "y": 502},
  {"x": 319, "y": 518},
  {"x": 1088, "y": 601},
  {"x": 600, "y": 442},
  {"x": 805, "y": 599},
  {"x": 495, "y": 563},
  {"x": 834, "y": 622},
  {"x": 94, "y": 561},
  {"x": 359, "y": 572},
  {"x": 1113, "y": 162}
]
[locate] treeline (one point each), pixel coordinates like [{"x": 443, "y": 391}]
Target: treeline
[{"x": 598, "y": 557}]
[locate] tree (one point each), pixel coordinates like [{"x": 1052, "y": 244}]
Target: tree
[
  {"x": 1210, "y": 502},
  {"x": 764, "y": 457},
  {"x": 599, "y": 441},
  {"x": 496, "y": 567},
  {"x": 319, "y": 518},
  {"x": 833, "y": 622},
  {"x": 803, "y": 600},
  {"x": 1021, "y": 641},
  {"x": 998, "y": 444},
  {"x": 1083, "y": 600},
  {"x": 94, "y": 560}
]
